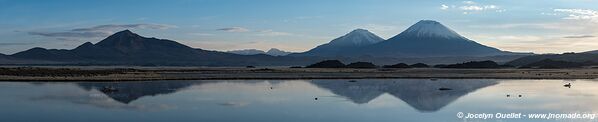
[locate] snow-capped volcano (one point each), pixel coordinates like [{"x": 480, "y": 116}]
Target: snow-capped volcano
[
  {"x": 428, "y": 38},
  {"x": 342, "y": 45},
  {"x": 430, "y": 28},
  {"x": 357, "y": 37}
]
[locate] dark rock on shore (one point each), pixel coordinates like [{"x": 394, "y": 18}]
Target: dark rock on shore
[
  {"x": 363, "y": 65},
  {"x": 419, "y": 65},
  {"x": 474, "y": 64},
  {"x": 328, "y": 64},
  {"x": 552, "y": 64},
  {"x": 399, "y": 65}
]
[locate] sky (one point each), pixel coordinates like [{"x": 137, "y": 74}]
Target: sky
[{"x": 539, "y": 26}]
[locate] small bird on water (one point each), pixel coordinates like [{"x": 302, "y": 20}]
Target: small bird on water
[{"x": 568, "y": 85}]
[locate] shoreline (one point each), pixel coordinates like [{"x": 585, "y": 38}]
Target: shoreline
[{"x": 152, "y": 74}]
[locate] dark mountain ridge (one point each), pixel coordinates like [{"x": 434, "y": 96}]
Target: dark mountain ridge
[{"x": 128, "y": 48}]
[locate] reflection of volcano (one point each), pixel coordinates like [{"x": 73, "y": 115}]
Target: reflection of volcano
[
  {"x": 420, "y": 94},
  {"x": 126, "y": 92},
  {"x": 358, "y": 92}
]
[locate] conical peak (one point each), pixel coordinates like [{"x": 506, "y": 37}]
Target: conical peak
[
  {"x": 359, "y": 30},
  {"x": 357, "y": 37},
  {"x": 428, "y": 22},
  {"x": 274, "y": 49},
  {"x": 125, "y": 33},
  {"x": 431, "y": 28},
  {"x": 428, "y": 25},
  {"x": 119, "y": 38}
]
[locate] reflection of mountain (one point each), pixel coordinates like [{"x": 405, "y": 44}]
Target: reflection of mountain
[
  {"x": 126, "y": 92},
  {"x": 420, "y": 94},
  {"x": 358, "y": 92}
]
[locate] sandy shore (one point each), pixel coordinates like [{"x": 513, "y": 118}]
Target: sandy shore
[{"x": 173, "y": 73}]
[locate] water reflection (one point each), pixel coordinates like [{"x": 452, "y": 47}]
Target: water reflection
[
  {"x": 129, "y": 91},
  {"x": 98, "y": 101},
  {"x": 291, "y": 100},
  {"x": 423, "y": 95}
]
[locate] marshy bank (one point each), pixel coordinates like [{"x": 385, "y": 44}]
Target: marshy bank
[{"x": 83, "y": 74}]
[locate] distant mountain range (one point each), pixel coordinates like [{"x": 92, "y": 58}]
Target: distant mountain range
[
  {"x": 128, "y": 48},
  {"x": 247, "y": 52},
  {"x": 426, "y": 38},
  {"x": 589, "y": 58},
  {"x": 424, "y": 42},
  {"x": 272, "y": 52}
]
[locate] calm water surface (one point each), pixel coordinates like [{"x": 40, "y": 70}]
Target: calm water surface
[{"x": 372, "y": 100}]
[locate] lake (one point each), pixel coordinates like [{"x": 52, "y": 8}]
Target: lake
[{"x": 359, "y": 100}]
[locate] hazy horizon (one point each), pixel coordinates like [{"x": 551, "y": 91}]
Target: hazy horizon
[{"x": 554, "y": 26}]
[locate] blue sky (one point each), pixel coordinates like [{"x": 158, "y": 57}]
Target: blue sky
[{"x": 541, "y": 26}]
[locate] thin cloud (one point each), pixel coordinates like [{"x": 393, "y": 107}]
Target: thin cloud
[
  {"x": 273, "y": 33},
  {"x": 539, "y": 43},
  {"x": 468, "y": 7},
  {"x": 580, "y": 14},
  {"x": 71, "y": 34},
  {"x": 126, "y": 26},
  {"x": 468, "y": 2},
  {"x": 234, "y": 29},
  {"x": 549, "y": 26},
  {"x": 201, "y": 34},
  {"x": 580, "y": 36},
  {"x": 478, "y": 8},
  {"x": 234, "y": 104},
  {"x": 98, "y": 31},
  {"x": 14, "y": 43},
  {"x": 67, "y": 39},
  {"x": 444, "y": 7}
]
